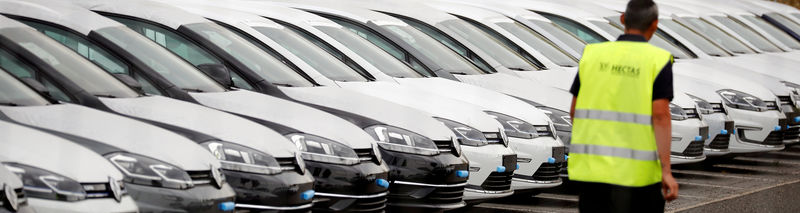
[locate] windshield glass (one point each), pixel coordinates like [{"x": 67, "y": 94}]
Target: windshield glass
[
  {"x": 538, "y": 42},
  {"x": 78, "y": 70},
  {"x": 713, "y": 33},
  {"x": 705, "y": 45},
  {"x": 615, "y": 28},
  {"x": 563, "y": 35},
  {"x": 432, "y": 49},
  {"x": 747, "y": 33},
  {"x": 371, "y": 53},
  {"x": 785, "y": 21},
  {"x": 323, "y": 62},
  {"x": 773, "y": 31},
  {"x": 502, "y": 54},
  {"x": 258, "y": 61},
  {"x": 577, "y": 29},
  {"x": 15, "y": 93}
]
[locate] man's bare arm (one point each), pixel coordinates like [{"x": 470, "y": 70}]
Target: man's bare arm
[
  {"x": 572, "y": 109},
  {"x": 662, "y": 125}
]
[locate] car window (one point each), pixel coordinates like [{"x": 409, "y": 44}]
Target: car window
[
  {"x": 715, "y": 34},
  {"x": 443, "y": 39},
  {"x": 697, "y": 40},
  {"x": 773, "y": 31},
  {"x": 506, "y": 43},
  {"x": 540, "y": 43},
  {"x": 561, "y": 34},
  {"x": 747, "y": 33},
  {"x": 14, "y": 93},
  {"x": 577, "y": 29},
  {"x": 615, "y": 28},
  {"x": 785, "y": 21}
]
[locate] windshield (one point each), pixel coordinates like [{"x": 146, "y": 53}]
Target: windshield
[
  {"x": 256, "y": 60},
  {"x": 614, "y": 28},
  {"x": 318, "y": 58},
  {"x": 747, "y": 33},
  {"x": 15, "y": 93},
  {"x": 432, "y": 49},
  {"x": 705, "y": 45},
  {"x": 563, "y": 35},
  {"x": 715, "y": 34},
  {"x": 577, "y": 29},
  {"x": 538, "y": 42},
  {"x": 371, "y": 53},
  {"x": 78, "y": 70},
  {"x": 502, "y": 54},
  {"x": 773, "y": 31},
  {"x": 785, "y": 21}
]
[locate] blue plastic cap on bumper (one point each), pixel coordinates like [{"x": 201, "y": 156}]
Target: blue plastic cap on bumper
[
  {"x": 501, "y": 169},
  {"x": 797, "y": 119},
  {"x": 724, "y": 132},
  {"x": 307, "y": 195},
  {"x": 462, "y": 173},
  {"x": 226, "y": 206},
  {"x": 698, "y": 138},
  {"x": 778, "y": 128},
  {"x": 382, "y": 182}
]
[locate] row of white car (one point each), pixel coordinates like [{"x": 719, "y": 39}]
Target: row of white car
[{"x": 354, "y": 105}]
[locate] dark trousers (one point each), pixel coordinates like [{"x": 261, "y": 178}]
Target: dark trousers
[{"x": 601, "y": 197}]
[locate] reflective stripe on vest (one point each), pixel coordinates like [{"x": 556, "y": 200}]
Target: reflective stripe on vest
[{"x": 612, "y": 138}]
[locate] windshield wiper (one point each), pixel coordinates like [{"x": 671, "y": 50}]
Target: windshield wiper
[
  {"x": 192, "y": 90},
  {"x": 9, "y": 104},
  {"x": 105, "y": 95},
  {"x": 283, "y": 84},
  {"x": 518, "y": 69},
  {"x": 459, "y": 73}
]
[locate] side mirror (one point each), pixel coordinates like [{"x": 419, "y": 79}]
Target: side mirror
[
  {"x": 218, "y": 72},
  {"x": 128, "y": 80},
  {"x": 36, "y": 85}
]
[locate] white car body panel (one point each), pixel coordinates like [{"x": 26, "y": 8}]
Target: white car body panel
[
  {"x": 117, "y": 131},
  {"x": 225, "y": 126}
]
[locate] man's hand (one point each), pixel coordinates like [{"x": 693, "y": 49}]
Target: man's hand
[{"x": 669, "y": 187}]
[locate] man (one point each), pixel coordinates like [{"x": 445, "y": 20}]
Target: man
[{"x": 621, "y": 119}]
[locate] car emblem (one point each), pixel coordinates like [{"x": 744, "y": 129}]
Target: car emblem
[
  {"x": 215, "y": 174},
  {"x": 116, "y": 191},
  {"x": 11, "y": 197}
]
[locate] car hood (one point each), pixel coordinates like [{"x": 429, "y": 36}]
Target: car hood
[
  {"x": 32, "y": 147},
  {"x": 521, "y": 88},
  {"x": 730, "y": 76},
  {"x": 439, "y": 106},
  {"x": 697, "y": 87},
  {"x": 8, "y": 178},
  {"x": 764, "y": 64},
  {"x": 372, "y": 107},
  {"x": 222, "y": 125},
  {"x": 558, "y": 77},
  {"x": 487, "y": 99},
  {"x": 127, "y": 134},
  {"x": 291, "y": 114}
]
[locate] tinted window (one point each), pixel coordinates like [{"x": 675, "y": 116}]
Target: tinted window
[
  {"x": 447, "y": 41},
  {"x": 713, "y": 33},
  {"x": 561, "y": 34},
  {"x": 13, "y": 92},
  {"x": 659, "y": 39},
  {"x": 538, "y": 42},
  {"x": 371, "y": 53},
  {"x": 697, "y": 40},
  {"x": 785, "y": 21},
  {"x": 577, "y": 29},
  {"x": 773, "y": 31},
  {"x": 506, "y": 43},
  {"x": 747, "y": 33}
]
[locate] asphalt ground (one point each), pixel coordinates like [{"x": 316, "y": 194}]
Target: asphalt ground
[{"x": 760, "y": 182}]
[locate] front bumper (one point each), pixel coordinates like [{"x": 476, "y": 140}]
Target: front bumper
[
  {"x": 753, "y": 130},
  {"x": 126, "y": 204},
  {"x": 279, "y": 192},
  {"x": 720, "y": 130},
  {"x": 202, "y": 198},
  {"x": 484, "y": 163},
  {"x": 538, "y": 164},
  {"x": 425, "y": 181},
  {"x": 348, "y": 187},
  {"x": 688, "y": 137}
]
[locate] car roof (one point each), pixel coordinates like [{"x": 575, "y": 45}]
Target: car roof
[
  {"x": 473, "y": 11},
  {"x": 161, "y": 13},
  {"x": 566, "y": 9},
  {"x": 68, "y": 15},
  {"x": 506, "y": 9},
  {"x": 6, "y": 22},
  {"x": 345, "y": 9}
]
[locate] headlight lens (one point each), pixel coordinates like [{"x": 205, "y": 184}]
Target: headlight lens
[
  {"x": 515, "y": 127},
  {"x": 677, "y": 112},
  {"x": 319, "y": 149},
  {"x": 561, "y": 119},
  {"x": 703, "y": 106},
  {"x": 239, "y": 158},
  {"x": 740, "y": 100},
  {"x": 400, "y": 140},
  {"x": 794, "y": 92},
  {"x": 466, "y": 135},
  {"x": 45, "y": 184},
  {"x": 147, "y": 171}
]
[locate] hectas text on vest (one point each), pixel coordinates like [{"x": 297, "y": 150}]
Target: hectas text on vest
[{"x": 621, "y": 70}]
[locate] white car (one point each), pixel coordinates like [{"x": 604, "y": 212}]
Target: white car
[
  {"x": 782, "y": 15},
  {"x": 158, "y": 165},
  {"x": 71, "y": 178},
  {"x": 275, "y": 160},
  {"x": 596, "y": 25}
]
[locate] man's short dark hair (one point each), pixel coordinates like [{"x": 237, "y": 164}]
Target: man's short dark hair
[{"x": 640, "y": 13}]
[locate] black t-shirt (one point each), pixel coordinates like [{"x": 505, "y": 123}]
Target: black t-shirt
[{"x": 662, "y": 87}]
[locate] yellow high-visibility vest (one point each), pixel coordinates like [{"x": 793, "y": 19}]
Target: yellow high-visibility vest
[{"x": 612, "y": 135}]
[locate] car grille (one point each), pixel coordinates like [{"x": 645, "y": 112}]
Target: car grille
[
  {"x": 200, "y": 177},
  {"x": 493, "y": 137},
  {"x": 786, "y": 104},
  {"x": 771, "y": 105},
  {"x": 791, "y": 133},
  {"x": 691, "y": 113},
  {"x": 366, "y": 155},
  {"x": 498, "y": 181},
  {"x": 444, "y": 146},
  {"x": 287, "y": 164},
  {"x": 548, "y": 172},
  {"x": 544, "y": 131},
  {"x": 717, "y": 107},
  {"x": 376, "y": 204},
  {"x": 439, "y": 195},
  {"x": 694, "y": 149}
]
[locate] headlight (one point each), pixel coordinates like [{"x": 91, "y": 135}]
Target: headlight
[
  {"x": 466, "y": 135},
  {"x": 677, "y": 112},
  {"x": 794, "y": 92},
  {"x": 740, "y": 100},
  {"x": 400, "y": 140},
  {"x": 703, "y": 106},
  {"x": 315, "y": 148},
  {"x": 561, "y": 119},
  {"x": 243, "y": 159},
  {"x": 45, "y": 184},
  {"x": 514, "y": 127},
  {"x": 147, "y": 171}
]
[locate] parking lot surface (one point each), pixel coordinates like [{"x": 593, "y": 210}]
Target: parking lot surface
[{"x": 762, "y": 182}]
